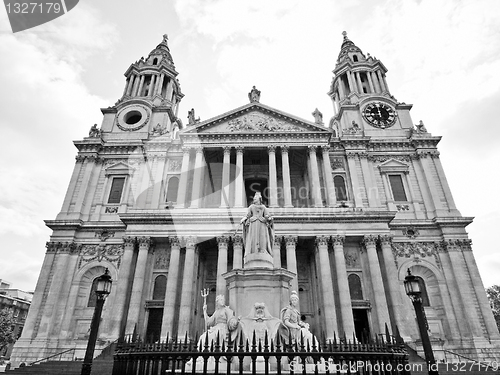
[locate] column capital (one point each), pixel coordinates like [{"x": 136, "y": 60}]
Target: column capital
[
  {"x": 338, "y": 240},
  {"x": 369, "y": 240},
  {"x": 240, "y": 149},
  {"x": 145, "y": 242},
  {"x": 291, "y": 240},
  {"x": 322, "y": 240},
  {"x": 277, "y": 240},
  {"x": 386, "y": 239},
  {"x": 128, "y": 241},
  {"x": 271, "y": 149},
  {"x": 190, "y": 242},
  {"x": 325, "y": 148},
  {"x": 175, "y": 241},
  {"x": 186, "y": 149},
  {"x": 312, "y": 148},
  {"x": 284, "y": 149},
  {"x": 222, "y": 240},
  {"x": 199, "y": 149},
  {"x": 237, "y": 240},
  {"x": 351, "y": 154},
  {"x": 226, "y": 150}
]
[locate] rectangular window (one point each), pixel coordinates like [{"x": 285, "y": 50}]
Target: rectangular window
[
  {"x": 398, "y": 189},
  {"x": 115, "y": 194}
]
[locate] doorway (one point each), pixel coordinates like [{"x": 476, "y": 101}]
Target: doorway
[
  {"x": 153, "y": 330},
  {"x": 361, "y": 324}
]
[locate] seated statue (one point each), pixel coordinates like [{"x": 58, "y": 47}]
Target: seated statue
[
  {"x": 292, "y": 327},
  {"x": 222, "y": 323},
  {"x": 259, "y": 321}
]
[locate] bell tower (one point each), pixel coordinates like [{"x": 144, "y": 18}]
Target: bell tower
[
  {"x": 150, "y": 101},
  {"x": 361, "y": 98}
]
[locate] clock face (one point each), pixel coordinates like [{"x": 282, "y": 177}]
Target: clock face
[{"x": 379, "y": 115}]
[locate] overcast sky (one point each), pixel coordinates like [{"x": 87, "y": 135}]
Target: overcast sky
[{"x": 442, "y": 56}]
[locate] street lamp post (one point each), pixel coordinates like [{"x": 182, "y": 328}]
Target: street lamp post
[
  {"x": 103, "y": 288},
  {"x": 414, "y": 291}
]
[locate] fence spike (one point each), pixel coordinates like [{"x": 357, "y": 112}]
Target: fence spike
[
  {"x": 399, "y": 339},
  {"x": 301, "y": 340},
  {"x": 278, "y": 342},
  {"x": 387, "y": 334},
  {"x": 254, "y": 342}
]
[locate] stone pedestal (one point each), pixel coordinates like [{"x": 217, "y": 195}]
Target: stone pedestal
[
  {"x": 258, "y": 260},
  {"x": 258, "y": 284}
]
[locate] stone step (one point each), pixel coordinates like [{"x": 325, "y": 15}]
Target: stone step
[{"x": 99, "y": 367}]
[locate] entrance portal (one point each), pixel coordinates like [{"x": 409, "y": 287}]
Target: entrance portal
[{"x": 361, "y": 324}]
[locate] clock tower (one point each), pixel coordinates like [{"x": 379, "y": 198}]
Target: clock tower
[{"x": 361, "y": 98}]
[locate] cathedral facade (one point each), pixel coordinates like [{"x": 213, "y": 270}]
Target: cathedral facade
[{"x": 355, "y": 202}]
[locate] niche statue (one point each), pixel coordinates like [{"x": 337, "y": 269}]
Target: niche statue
[{"x": 258, "y": 233}]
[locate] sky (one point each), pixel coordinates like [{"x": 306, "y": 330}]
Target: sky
[{"x": 442, "y": 56}]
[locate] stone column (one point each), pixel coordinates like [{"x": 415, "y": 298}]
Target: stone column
[
  {"x": 351, "y": 162},
  {"x": 158, "y": 185},
  {"x": 425, "y": 161},
  {"x": 325, "y": 273},
  {"x": 327, "y": 168},
  {"x": 315, "y": 183},
  {"x": 181, "y": 193},
  {"x": 380, "y": 300},
  {"x": 273, "y": 176},
  {"x": 393, "y": 285},
  {"x": 277, "y": 252},
  {"x": 226, "y": 169},
  {"x": 239, "y": 194},
  {"x": 444, "y": 183},
  {"x": 341, "y": 89},
  {"x": 291, "y": 260},
  {"x": 222, "y": 264},
  {"x": 381, "y": 81},
  {"x": 370, "y": 81},
  {"x": 169, "y": 310},
  {"x": 136, "y": 86},
  {"x": 375, "y": 81},
  {"x": 237, "y": 252},
  {"x": 287, "y": 186},
  {"x": 352, "y": 87},
  {"x": 120, "y": 306},
  {"x": 151, "y": 91},
  {"x": 141, "y": 86},
  {"x": 196, "y": 196},
  {"x": 136, "y": 305},
  {"x": 343, "y": 286},
  {"x": 85, "y": 184},
  {"x": 74, "y": 179},
  {"x": 185, "y": 312},
  {"x": 370, "y": 184},
  {"x": 360, "y": 84},
  {"x": 160, "y": 84},
  {"x": 484, "y": 305},
  {"x": 130, "y": 85}
]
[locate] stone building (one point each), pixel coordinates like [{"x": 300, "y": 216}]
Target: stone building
[
  {"x": 17, "y": 303},
  {"x": 356, "y": 202}
]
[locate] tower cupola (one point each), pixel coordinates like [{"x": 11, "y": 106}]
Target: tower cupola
[
  {"x": 356, "y": 75},
  {"x": 154, "y": 79}
]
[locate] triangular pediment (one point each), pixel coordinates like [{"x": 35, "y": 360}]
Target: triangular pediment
[
  {"x": 255, "y": 118},
  {"x": 393, "y": 165},
  {"x": 119, "y": 168}
]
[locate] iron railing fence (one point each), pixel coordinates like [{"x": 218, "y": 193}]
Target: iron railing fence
[{"x": 375, "y": 356}]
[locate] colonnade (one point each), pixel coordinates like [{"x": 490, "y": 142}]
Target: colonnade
[
  {"x": 135, "y": 85},
  {"x": 376, "y": 82},
  {"x": 193, "y": 198},
  {"x": 337, "y": 314}
]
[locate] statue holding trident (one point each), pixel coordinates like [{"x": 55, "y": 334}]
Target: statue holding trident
[
  {"x": 258, "y": 228},
  {"x": 221, "y": 323}
]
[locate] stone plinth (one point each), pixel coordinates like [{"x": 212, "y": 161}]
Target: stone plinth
[
  {"x": 259, "y": 284},
  {"x": 258, "y": 260}
]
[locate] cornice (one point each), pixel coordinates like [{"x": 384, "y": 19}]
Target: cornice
[
  {"x": 256, "y": 139},
  {"x": 454, "y": 221}
]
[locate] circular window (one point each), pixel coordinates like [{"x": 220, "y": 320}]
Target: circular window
[{"x": 133, "y": 117}]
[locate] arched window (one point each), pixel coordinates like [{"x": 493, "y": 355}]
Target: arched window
[
  {"x": 159, "y": 287},
  {"x": 424, "y": 295},
  {"x": 355, "y": 58},
  {"x": 155, "y": 61},
  {"x": 355, "y": 289},
  {"x": 340, "y": 190},
  {"x": 93, "y": 296},
  {"x": 173, "y": 187}
]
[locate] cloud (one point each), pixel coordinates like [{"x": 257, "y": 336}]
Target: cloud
[{"x": 46, "y": 104}]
